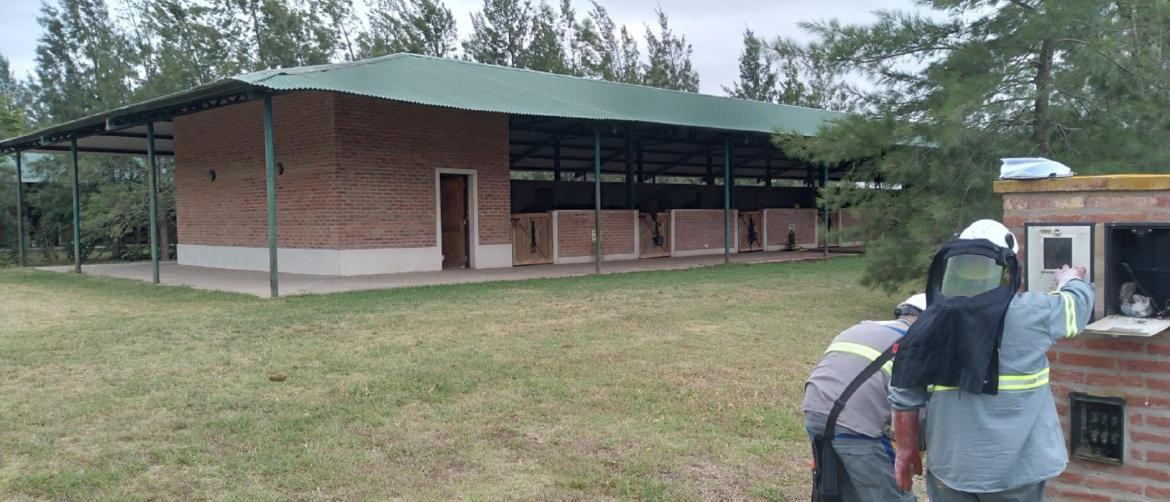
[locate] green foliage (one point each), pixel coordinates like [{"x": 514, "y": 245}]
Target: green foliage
[
  {"x": 500, "y": 33},
  {"x": 1080, "y": 81},
  {"x": 669, "y": 65},
  {"x": 415, "y": 26},
  {"x": 757, "y": 78}
]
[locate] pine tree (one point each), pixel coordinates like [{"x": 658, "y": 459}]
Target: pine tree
[
  {"x": 757, "y": 79},
  {"x": 275, "y": 34},
  {"x": 339, "y": 16},
  {"x": 669, "y": 65},
  {"x": 416, "y": 26},
  {"x": 606, "y": 51},
  {"x": 992, "y": 80},
  {"x": 545, "y": 52},
  {"x": 83, "y": 62},
  {"x": 500, "y": 33}
]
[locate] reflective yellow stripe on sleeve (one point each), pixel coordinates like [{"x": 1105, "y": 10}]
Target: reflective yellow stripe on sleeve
[
  {"x": 858, "y": 349},
  {"x": 1070, "y": 314},
  {"x": 1009, "y": 382}
]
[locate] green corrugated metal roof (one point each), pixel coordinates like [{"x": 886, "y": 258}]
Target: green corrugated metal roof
[
  {"x": 473, "y": 86},
  {"x": 465, "y": 85}
]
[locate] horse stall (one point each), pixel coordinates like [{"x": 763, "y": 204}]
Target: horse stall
[
  {"x": 532, "y": 238},
  {"x": 700, "y": 232},
  {"x": 790, "y": 229},
  {"x": 751, "y": 231},
  {"x": 654, "y": 234}
]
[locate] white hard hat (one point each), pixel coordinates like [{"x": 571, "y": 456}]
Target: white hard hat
[
  {"x": 917, "y": 301},
  {"x": 993, "y": 231}
]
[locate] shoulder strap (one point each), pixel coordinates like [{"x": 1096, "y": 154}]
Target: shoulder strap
[{"x": 839, "y": 404}]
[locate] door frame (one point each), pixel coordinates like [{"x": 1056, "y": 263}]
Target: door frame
[{"x": 472, "y": 211}]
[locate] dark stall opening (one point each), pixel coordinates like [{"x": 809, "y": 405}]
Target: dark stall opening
[
  {"x": 531, "y": 196},
  {"x": 1138, "y": 253}
]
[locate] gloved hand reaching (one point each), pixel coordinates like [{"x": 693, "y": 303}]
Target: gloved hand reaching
[
  {"x": 908, "y": 461},
  {"x": 1067, "y": 273}
]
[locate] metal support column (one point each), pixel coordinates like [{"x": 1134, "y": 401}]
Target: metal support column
[
  {"x": 270, "y": 175},
  {"x": 726, "y": 200},
  {"x": 21, "y": 244},
  {"x": 597, "y": 200},
  {"x": 710, "y": 177},
  {"x": 631, "y": 194},
  {"x": 825, "y": 207},
  {"x": 768, "y": 167},
  {"x": 557, "y": 159},
  {"x": 152, "y": 164},
  {"x": 76, "y": 208},
  {"x": 641, "y": 166}
]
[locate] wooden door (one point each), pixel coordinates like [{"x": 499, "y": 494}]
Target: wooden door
[{"x": 453, "y": 218}]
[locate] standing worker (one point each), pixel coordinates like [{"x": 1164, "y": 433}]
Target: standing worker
[
  {"x": 979, "y": 352},
  {"x": 860, "y": 431}
]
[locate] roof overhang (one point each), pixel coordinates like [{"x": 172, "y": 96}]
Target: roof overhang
[{"x": 123, "y": 130}]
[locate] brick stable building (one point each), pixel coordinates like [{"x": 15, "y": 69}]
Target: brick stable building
[{"x": 411, "y": 163}]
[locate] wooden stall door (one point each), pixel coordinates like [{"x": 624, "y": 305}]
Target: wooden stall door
[
  {"x": 531, "y": 238},
  {"x": 751, "y": 231},
  {"x": 453, "y": 218},
  {"x": 654, "y": 236}
]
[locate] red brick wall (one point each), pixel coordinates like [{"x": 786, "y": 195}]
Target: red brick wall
[
  {"x": 388, "y": 153},
  {"x": 697, "y": 229},
  {"x": 1139, "y": 371},
  {"x": 232, "y": 210},
  {"x": 804, "y": 219},
  {"x": 359, "y": 172},
  {"x": 575, "y": 233}
]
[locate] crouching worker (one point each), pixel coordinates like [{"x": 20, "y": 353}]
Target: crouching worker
[
  {"x": 851, "y": 446},
  {"x": 980, "y": 353}
]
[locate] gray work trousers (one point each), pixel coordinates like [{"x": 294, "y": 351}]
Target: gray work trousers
[
  {"x": 869, "y": 468},
  {"x": 940, "y": 492}
]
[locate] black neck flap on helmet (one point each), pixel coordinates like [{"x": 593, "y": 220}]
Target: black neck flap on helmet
[{"x": 956, "y": 340}]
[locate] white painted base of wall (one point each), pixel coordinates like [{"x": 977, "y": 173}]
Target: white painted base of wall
[
  {"x": 493, "y": 256},
  {"x": 345, "y": 262}
]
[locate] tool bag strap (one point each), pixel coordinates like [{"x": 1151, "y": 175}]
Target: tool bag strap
[{"x": 839, "y": 404}]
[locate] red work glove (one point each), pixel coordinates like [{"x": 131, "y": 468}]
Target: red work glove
[
  {"x": 908, "y": 462},
  {"x": 1067, "y": 273}
]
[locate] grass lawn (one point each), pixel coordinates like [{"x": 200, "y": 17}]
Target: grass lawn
[{"x": 659, "y": 385}]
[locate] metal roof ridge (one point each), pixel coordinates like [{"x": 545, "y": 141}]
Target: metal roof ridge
[
  {"x": 262, "y": 75},
  {"x": 611, "y": 82}
]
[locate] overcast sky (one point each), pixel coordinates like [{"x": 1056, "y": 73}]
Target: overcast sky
[{"x": 714, "y": 28}]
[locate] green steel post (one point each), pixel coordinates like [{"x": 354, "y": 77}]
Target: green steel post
[
  {"x": 21, "y": 245},
  {"x": 557, "y": 159},
  {"x": 825, "y": 207},
  {"x": 152, "y": 164},
  {"x": 768, "y": 167},
  {"x": 631, "y": 195},
  {"x": 270, "y": 175},
  {"x": 76, "y": 209},
  {"x": 597, "y": 199},
  {"x": 726, "y": 201}
]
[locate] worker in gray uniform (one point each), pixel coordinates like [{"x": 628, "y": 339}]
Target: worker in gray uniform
[
  {"x": 861, "y": 439},
  {"x": 995, "y": 437}
]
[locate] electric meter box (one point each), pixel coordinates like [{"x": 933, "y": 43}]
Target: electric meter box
[{"x": 1051, "y": 246}]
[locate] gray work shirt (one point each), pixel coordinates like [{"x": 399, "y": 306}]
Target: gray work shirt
[
  {"x": 981, "y": 443},
  {"x": 868, "y": 411}
]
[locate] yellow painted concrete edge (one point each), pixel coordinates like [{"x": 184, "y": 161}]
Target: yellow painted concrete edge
[{"x": 1115, "y": 182}]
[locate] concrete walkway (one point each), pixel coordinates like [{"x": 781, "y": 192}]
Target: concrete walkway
[{"x": 256, "y": 283}]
